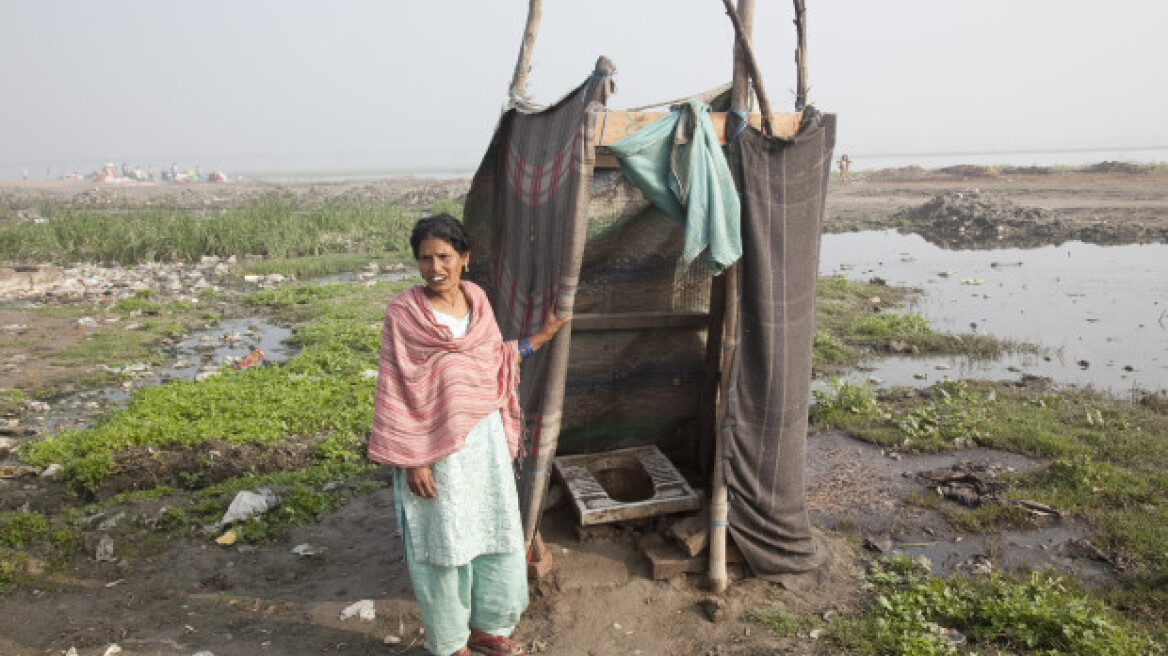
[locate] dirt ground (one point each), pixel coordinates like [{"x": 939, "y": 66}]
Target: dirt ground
[{"x": 193, "y": 596}]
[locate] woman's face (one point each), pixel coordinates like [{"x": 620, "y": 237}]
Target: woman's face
[{"x": 440, "y": 264}]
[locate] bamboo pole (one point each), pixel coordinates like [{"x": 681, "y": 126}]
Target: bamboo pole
[
  {"x": 742, "y": 34},
  {"x": 801, "y": 54},
  {"x": 526, "y": 47},
  {"x": 743, "y": 20}
]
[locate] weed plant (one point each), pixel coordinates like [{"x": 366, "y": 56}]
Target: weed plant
[
  {"x": 319, "y": 265},
  {"x": 852, "y": 317},
  {"x": 320, "y": 393},
  {"x": 914, "y": 614},
  {"x": 1108, "y": 461},
  {"x": 269, "y": 227}
]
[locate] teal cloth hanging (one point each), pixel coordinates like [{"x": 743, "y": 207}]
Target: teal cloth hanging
[{"x": 678, "y": 165}]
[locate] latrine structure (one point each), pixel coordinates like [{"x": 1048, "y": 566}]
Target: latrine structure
[{"x": 711, "y": 365}]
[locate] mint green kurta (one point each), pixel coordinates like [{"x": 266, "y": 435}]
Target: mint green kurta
[{"x": 476, "y": 509}]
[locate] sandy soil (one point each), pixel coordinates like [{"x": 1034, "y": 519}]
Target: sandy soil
[{"x": 174, "y": 597}]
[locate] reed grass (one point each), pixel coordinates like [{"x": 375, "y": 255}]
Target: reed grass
[{"x": 269, "y": 227}]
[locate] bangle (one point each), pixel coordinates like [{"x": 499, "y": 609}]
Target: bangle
[{"x": 525, "y": 350}]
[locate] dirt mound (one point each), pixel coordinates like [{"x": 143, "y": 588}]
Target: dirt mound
[
  {"x": 1026, "y": 170},
  {"x": 973, "y": 219},
  {"x": 1119, "y": 167},
  {"x": 900, "y": 174},
  {"x": 969, "y": 171}
]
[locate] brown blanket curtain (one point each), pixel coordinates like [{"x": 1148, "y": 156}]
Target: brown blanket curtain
[
  {"x": 783, "y": 183},
  {"x": 526, "y": 213}
]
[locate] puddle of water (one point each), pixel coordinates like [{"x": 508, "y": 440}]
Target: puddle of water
[
  {"x": 858, "y": 483},
  {"x": 230, "y": 339},
  {"x": 1101, "y": 312}
]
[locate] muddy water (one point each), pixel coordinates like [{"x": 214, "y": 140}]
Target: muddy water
[
  {"x": 1099, "y": 312},
  {"x": 200, "y": 352},
  {"x": 859, "y": 485}
]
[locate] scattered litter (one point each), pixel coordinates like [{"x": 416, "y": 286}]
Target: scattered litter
[
  {"x": 105, "y": 550},
  {"x": 973, "y": 281},
  {"x": 369, "y": 373},
  {"x": 254, "y": 359},
  {"x": 112, "y": 649},
  {"x": 16, "y": 471},
  {"x": 113, "y": 583},
  {"x": 227, "y": 539},
  {"x": 306, "y": 549},
  {"x": 364, "y": 610},
  {"x": 946, "y": 274},
  {"x": 815, "y": 634},
  {"x": 248, "y": 504}
]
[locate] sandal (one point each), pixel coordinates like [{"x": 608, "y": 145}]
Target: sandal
[{"x": 493, "y": 645}]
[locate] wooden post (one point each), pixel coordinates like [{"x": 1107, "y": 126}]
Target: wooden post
[
  {"x": 742, "y": 32},
  {"x": 743, "y": 20},
  {"x": 523, "y": 65},
  {"x": 801, "y": 54}
]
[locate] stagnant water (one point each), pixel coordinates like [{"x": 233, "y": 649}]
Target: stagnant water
[{"x": 1099, "y": 312}]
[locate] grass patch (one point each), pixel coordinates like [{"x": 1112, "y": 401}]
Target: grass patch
[
  {"x": 914, "y": 614},
  {"x": 141, "y": 322},
  {"x": 852, "y": 318},
  {"x": 319, "y": 393},
  {"x": 320, "y": 265},
  {"x": 1109, "y": 458},
  {"x": 782, "y": 623},
  {"x": 29, "y": 542},
  {"x": 271, "y": 227}
]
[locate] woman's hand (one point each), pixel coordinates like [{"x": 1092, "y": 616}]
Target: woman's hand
[
  {"x": 549, "y": 330},
  {"x": 421, "y": 482}
]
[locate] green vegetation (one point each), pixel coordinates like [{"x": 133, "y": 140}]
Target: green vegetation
[
  {"x": 853, "y": 317},
  {"x": 1108, "y": 455},
  {"x": 138, "y": 323},
  {"x": 319, "y": 394},
  {"x": 28, "y": 542},
  {"x": 782, "y": 623},
  {"x": 914, "y": 614},
  {"x": 320, "y": 265},
  {"x": 270, "y": 227}
]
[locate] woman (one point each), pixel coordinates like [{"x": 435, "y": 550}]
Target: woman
[{"x": 446, "y": 417}]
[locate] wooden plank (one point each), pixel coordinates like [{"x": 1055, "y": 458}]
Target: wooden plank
[
  {"x": 638, "y": 320},
  {"x": 612, "y": 125}
]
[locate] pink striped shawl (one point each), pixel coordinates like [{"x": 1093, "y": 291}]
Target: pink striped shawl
[{"x": 432, "y": 389}]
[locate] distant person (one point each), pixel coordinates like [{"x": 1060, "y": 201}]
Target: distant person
[
  {"x": 845, "y": 163},
  {"x": 24, "y": 174}
]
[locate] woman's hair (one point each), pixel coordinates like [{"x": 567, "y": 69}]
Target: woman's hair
[{"x": 444, "y": 227}]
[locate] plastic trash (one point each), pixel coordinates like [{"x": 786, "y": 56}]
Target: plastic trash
[
  {"x": 248, "y": 504},
  {"x": 105, "y": 550},
  {"x": 306, "y": 549},
  {"x": 227, "y": 539},
  {"x": 254, "y": 359},
  {"x": 364, "y": 609}
]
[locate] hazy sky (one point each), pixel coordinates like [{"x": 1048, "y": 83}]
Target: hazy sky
[{"x": 261, "y": 85}]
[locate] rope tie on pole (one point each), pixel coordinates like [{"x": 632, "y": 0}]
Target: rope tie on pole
[{"x": 743, "y": 114}]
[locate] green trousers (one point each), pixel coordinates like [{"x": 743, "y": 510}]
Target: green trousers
[{"x": 489, "y": 594}]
